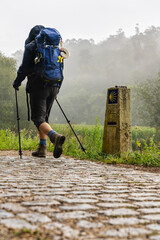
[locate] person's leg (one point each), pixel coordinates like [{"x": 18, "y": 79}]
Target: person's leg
[
  {"x": 42, "y": 138},
  {"x": 45, "y": 128},
  {"x": 41, "y": 103},
  {"x": 42, "y": 135},
  {"x": 38, "y": 111},
  {"x": 41, "y": 151},
  {"x": 56, "y": 139}
]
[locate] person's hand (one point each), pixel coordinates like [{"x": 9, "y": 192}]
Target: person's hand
[{"x": 16, "y": 86}]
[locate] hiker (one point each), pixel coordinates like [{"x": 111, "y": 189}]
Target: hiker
[{"x": 42, "y": 94}]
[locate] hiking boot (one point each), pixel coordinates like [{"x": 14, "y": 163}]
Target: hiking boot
[
  {"x": 57, "y": 140},
  {"x": 40, "y": 152}
]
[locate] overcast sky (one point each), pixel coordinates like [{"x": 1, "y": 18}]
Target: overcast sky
[{"x": 96, "y": 19}]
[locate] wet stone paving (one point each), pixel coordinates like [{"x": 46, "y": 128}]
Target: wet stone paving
[{"x": 76, "y": 199}]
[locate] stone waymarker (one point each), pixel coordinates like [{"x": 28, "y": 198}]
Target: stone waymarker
[{"x": 117, "y": 125}]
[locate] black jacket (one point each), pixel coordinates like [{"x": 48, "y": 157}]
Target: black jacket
[{"x": 27, "y": 67}]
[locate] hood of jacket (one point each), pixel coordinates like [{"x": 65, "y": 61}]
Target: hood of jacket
[{"x": 33, "y": 33}]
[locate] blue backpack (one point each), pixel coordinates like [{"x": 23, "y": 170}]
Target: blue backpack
[{"x": 48, "y": 61}]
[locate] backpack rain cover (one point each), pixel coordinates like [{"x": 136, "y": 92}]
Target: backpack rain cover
[{"x": 49, "y": 62}]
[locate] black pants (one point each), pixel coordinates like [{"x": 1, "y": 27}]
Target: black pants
[{"x": 41, "y": 102}]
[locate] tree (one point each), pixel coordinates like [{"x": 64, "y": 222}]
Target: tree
[
  {"x": 147, "y": 101},
  {"x": 18, "y": 55},
  {"x": 7, "y": 75}
]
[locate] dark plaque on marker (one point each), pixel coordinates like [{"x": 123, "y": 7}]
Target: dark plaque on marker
[{"x": 112, "y": 96}]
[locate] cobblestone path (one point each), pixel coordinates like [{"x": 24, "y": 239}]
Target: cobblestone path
[{"x": 76, "y": 199}]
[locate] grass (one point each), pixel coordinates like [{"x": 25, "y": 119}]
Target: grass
[{"x": 145, "y": 144}]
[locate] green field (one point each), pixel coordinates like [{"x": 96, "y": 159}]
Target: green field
[{"x": 145, "y": 143}]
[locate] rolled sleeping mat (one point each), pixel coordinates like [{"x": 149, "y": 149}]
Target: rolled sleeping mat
[{"x": 65, "y": 53}]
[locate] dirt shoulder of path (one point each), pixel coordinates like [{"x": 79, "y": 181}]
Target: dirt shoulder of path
[
  {"x": 16, "y": 153},
  {"x": 29, "y": 153}
]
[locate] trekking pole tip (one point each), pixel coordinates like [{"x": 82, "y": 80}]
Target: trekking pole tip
[
  {"x": 83, "y": 149},
  {"x": 20, "y": 153}
]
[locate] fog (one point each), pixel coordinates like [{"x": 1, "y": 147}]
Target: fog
[
  {"x": 111, "y": 43},
  {"x": 93, "y": 68},
  {"x": 74, "y": 19}
]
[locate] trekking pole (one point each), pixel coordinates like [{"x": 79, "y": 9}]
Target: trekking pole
[
  {"x": 83, "y": 149},
  {"x": 20, "y": 152}
]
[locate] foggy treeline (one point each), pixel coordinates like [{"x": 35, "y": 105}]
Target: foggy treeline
[{"x": 93, "y": 68}]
